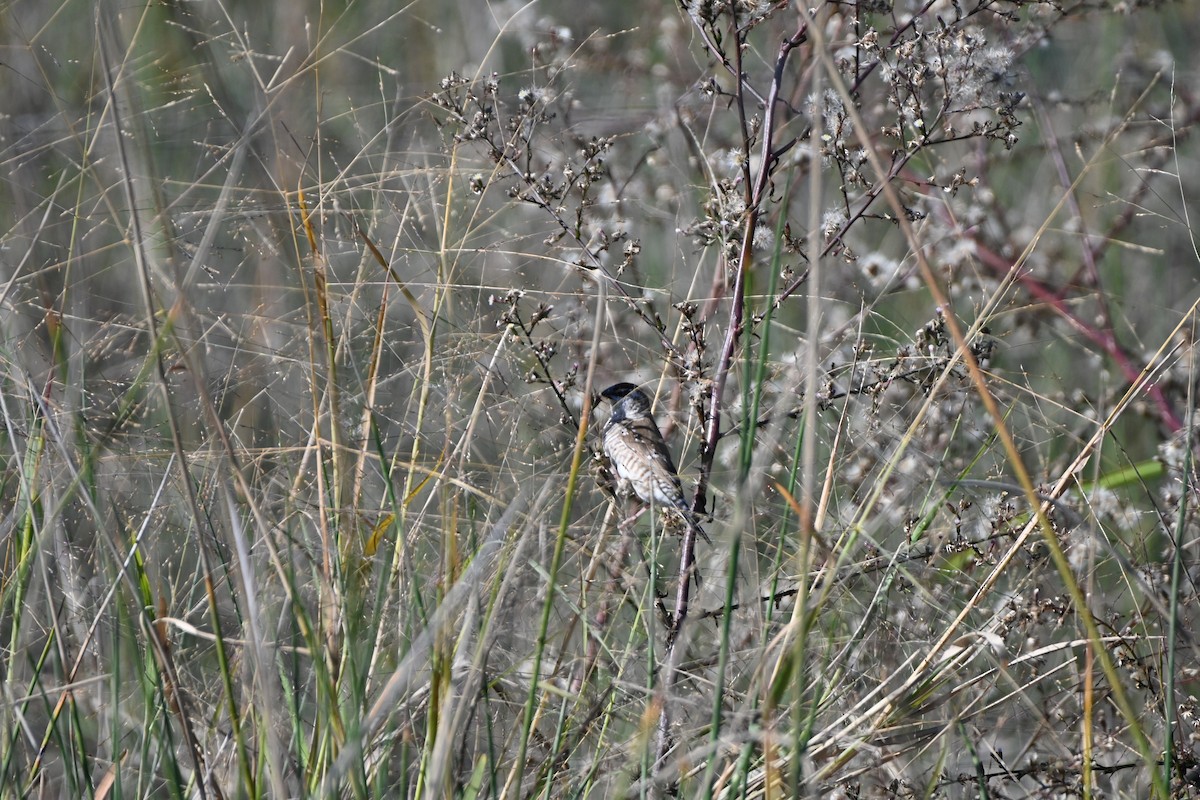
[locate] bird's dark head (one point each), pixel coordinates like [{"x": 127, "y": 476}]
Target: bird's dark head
[{"x": 628, "y": 401}]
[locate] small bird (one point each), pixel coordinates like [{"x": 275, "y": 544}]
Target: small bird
[{"x": 635, "y": 447}]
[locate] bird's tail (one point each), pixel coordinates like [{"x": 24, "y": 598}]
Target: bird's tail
[{"x": 694, "y": 524}]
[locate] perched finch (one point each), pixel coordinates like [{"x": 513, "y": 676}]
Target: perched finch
[{"x": 638, "y": 454}]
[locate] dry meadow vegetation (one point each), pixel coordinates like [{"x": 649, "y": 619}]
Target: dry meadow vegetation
[{"x": 306, "y": 311}]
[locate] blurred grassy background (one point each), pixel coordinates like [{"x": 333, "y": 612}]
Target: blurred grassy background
[{"x": 202, "y": 355}]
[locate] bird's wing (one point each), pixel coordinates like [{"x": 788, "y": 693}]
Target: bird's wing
[{"x": 649, "y": 441}]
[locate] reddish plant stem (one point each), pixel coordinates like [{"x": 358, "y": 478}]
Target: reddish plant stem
[
  {"x": 756, "y": 191},
  {"x": 1102, "y": 337}
]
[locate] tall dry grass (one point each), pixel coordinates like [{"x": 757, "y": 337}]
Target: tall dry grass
[{"x": 306, "y": 310}]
